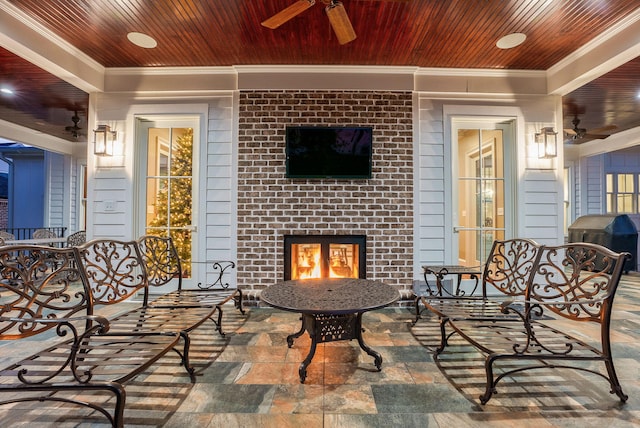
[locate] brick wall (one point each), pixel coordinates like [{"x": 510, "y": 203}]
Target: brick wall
[{"x": 270, "y": 205}]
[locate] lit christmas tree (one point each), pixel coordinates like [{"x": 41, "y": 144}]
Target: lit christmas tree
[{"x": 174, "y": 198}]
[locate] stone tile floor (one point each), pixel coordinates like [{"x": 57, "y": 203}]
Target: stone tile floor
[{"x": 250, "y": 379}]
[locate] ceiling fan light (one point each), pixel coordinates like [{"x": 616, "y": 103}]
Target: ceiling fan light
[
  {"x": 340, "y": 22},
  {"x": 288, "y": 13}
]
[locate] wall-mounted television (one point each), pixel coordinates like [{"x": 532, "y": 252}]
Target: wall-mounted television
[{"x": 329, "y": 151}]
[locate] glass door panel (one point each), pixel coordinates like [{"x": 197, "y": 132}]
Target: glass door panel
[
  {"x": 168, "y": 187},
  {"x": 480, "y": 187},
  {"x": 305, "y": 261},
  {"x": 343, "y": 260}
]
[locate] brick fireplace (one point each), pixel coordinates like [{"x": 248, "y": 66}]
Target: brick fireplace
[{"x": 272, "y": 206}]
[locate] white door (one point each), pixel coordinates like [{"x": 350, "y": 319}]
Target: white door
[
  {"x": 483, "y": 175},
  {"x": 166, "y": 189}
]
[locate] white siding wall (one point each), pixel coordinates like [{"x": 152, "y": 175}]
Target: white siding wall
[
  {"x": 111, "y": 206},
  {"x": 538, "y": 190},
  {"x": 576, "y": 200},
  {"x": 591, "y": 183},
  {"x": 62, "y": 198},
  {"x": 112, "y": 209},
  {"x": 220, "y": 201},
  {"x": 590, "y": 178},
  {"x": 541, "y": 193},
  {"x": 430, "y": 185},
  {"x": 74, "y": 197},
  {"x": 55, "y": 193},
  {"x": 625, "y": 161}
]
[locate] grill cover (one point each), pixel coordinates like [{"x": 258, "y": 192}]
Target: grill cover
[{"x": 614, "y": 231}]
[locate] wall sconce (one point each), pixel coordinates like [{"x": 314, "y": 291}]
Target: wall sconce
[
  {"x": 547, "y": 140},
  {"x": 103, "y": 140}
]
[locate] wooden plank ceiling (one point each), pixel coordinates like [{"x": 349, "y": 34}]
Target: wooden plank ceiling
[{"x": 423, "y": 33}]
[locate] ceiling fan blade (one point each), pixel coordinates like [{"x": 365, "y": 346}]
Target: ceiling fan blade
[
  {"x": 570, "y": 131},
  {"x": 288, "y": 13},
  {"x": 603, "y": 129},
  {"x": 340, "y": 22},
  {"x": 596, "y": 136}
]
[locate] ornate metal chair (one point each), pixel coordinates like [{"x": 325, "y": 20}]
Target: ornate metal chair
[
  {"x": 43, "y": 234},
  {"x": 162, "y": 263},
  {"x": 6, "y": 236},
  {"x": 77, "y": 238}
]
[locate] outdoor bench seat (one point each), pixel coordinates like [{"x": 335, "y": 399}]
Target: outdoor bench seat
[
  {"x": 45, "y": 303},
  {"x": 504, "y": 277},
  {"x": 567, "y": 286},
  {"x": 115, "y": 271},
  {"x": 163, "y": 264}
]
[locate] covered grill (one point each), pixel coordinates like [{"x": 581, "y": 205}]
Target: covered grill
[{"x": 614, "y": 231}]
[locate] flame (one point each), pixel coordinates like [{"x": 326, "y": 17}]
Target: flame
[
  {"x": 309, "y": 266},
  {"x": 308, "y": 263},
  {"x": 334, "y": 274}
]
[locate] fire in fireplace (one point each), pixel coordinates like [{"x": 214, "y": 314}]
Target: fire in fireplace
[{"x": 324, "y": 256}]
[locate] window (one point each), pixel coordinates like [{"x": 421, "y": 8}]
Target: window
[
  {"x": 622, "y": 193},
  {"x": 169, "y": 188},
  {"x": 166, "y": 193},
  {"x": 567, "y": 199},
  {"x": 82, "y": 212},
  {"x": 481, "y": 180}
]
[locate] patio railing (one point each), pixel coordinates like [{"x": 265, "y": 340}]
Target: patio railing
[{"x": 27, "y": 232}]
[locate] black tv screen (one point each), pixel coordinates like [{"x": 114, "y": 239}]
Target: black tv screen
[{"x": 329, "y": 152}]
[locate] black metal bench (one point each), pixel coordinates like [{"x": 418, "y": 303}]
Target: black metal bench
[
  {"x": 504, "y": 277},
  {"x": 42, "y": 292},
  {"x": 566, "y": 286},
  {"x": 163, "y": 265},
  {"x": 116, "y": 271}
]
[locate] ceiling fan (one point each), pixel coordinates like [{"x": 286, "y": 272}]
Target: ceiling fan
[
  {"x": 75, "y": 129},
  {"x": 334, "y": 9},
  {"x": 577, "y": 133}
]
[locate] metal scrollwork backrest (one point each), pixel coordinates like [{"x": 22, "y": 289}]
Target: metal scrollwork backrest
[
  {"x": 114, "y": 270},
  {"x": 7, "y": 236},
  {"x": 38, "y": 282},
  {"x": 43, "y": 234},
  {"x": 77, "y": 238},
  {"x": 161, "y": 260},
  {"x": 509, "y": 265},
  {"x": 580, "y": 280}
]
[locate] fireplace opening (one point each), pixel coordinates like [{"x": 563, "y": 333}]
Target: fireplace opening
[{"x": 324, "y": 256}]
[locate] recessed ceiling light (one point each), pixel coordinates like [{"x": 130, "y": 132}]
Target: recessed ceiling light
[
  {"x": 6, "y": 91},
  {"x": 511, "y": 40},
  {"x": 142, "y": 40}
]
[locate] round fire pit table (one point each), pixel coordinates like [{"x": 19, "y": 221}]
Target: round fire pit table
[{"x": 331, "y": 309}]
